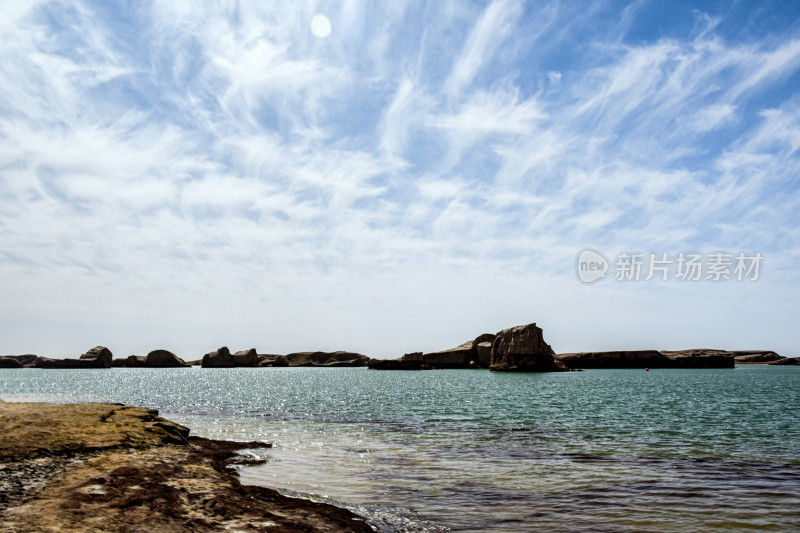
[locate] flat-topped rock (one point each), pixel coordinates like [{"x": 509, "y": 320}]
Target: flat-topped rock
[
  {"x": 97, "y": 357},
  {"x": 615, "y": 359},
  {"x": 697, "y": 358},
  {"x": 328, "y": 359},
  {"x": 700, "y": 358},
  {"x": 748, "y": 357},
  {"x": 409, "y": 361}
]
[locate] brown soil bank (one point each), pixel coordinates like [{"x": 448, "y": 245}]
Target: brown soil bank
[{"x": 112, "y": 468}]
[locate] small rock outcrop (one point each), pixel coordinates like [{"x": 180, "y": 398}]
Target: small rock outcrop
[
  {"x": 786, "y": 361},
  {"x": 523, "y": 349},
  {"x": 132, "y": 361},
  {"x": 700, "y": 358},
  {"x": 246, "y": 358},
  {"x": 696, "y": 358},
  {"x": 155, "y": 359},
  {"x": 410, "y": 361},
  {"x": 220, "y": 358},
  {"x": 462, "y": 356},
  {"x": 615, "y": 359},
  {"x": 163, "y": 359},
  {"x": 268, "y": 359},
  {"x": 9, "y": 362},
  {"x": 97, "y": 357},
  {"x": 329, "y": 359},
  {"x": 755, "y": 357},
  {"x": 27, "y": 360}
]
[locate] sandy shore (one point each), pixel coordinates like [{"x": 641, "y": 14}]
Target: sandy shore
[{"x": 112, "y": 468}]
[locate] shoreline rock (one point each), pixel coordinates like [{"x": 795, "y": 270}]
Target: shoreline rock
[{"x": 113, "y": 468}]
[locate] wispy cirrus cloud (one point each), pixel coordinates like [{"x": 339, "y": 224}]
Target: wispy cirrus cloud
[{"x": 199, "y": 173}]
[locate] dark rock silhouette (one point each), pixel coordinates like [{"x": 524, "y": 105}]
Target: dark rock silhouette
[
  {"x": 696, "y": 358},
  {"x": 163, "y": 359},
  {"x": 9, "y": 362},
  {"x": 97, "y": 357},
  {"x": 482, "y": 346},
  {"x": 786, "y": 361},
  {"x": 155, "y": 359},
  {"x": 265, "y": 359},
  {"x": 246, "y": 358},
  {"x": 27, "y": 360},
  {"x": 220, "y": 358},
  {"x": 410, "y": 361},
  {"x": 339, "y": 358},
  {"x": 700, "y": 358},
  {"x": 615, "y": 359}
]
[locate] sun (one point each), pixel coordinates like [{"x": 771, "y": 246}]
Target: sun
[{"x": 320, "y": 25}]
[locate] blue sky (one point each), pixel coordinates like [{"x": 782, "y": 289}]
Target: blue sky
[{"x": 186, "y": 175}]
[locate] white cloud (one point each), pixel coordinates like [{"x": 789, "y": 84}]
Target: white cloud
[{"x": 494, "y": 26}]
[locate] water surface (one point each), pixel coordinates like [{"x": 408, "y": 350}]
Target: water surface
[{"x": 467, "y": 450}]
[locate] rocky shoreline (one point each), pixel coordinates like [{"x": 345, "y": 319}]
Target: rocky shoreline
[{"x": 113, "y": 468}]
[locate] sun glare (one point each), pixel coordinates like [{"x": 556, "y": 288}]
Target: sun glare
[{"x": 320, "y": 25}]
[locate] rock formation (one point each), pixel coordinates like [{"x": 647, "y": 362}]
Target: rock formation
[
  {"x": 9, "y": 362},
  {"x": 329, "y": 359},
  {"x": 132, "y": 361},
  {"x": 483, "y": 349},
  {"x": 220, "y": 358},
  {"x": 523, "y": 349},
  {"x": 27, "y": 360},
  {"x": 410, "y": 361},
  {"x": 462, "y": 356},
  {"x": 163, "y": 359},
  {"x": 155, "y": 359},
  {"x": 268, "y": 359},
  {"x": 97, "y": 357},
  {"x": 615, "y": 359},
  {"x": 786, "y": 361},
  {"x": 698, "y": 358},
  {"x": 246, "y": 358},
  {"x": 755, "y": 357}
]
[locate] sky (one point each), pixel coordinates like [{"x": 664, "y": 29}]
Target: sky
[{"x": 186, "y": 174}]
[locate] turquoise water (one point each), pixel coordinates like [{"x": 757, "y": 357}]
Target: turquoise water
[{"x": 468, "y": 450}]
